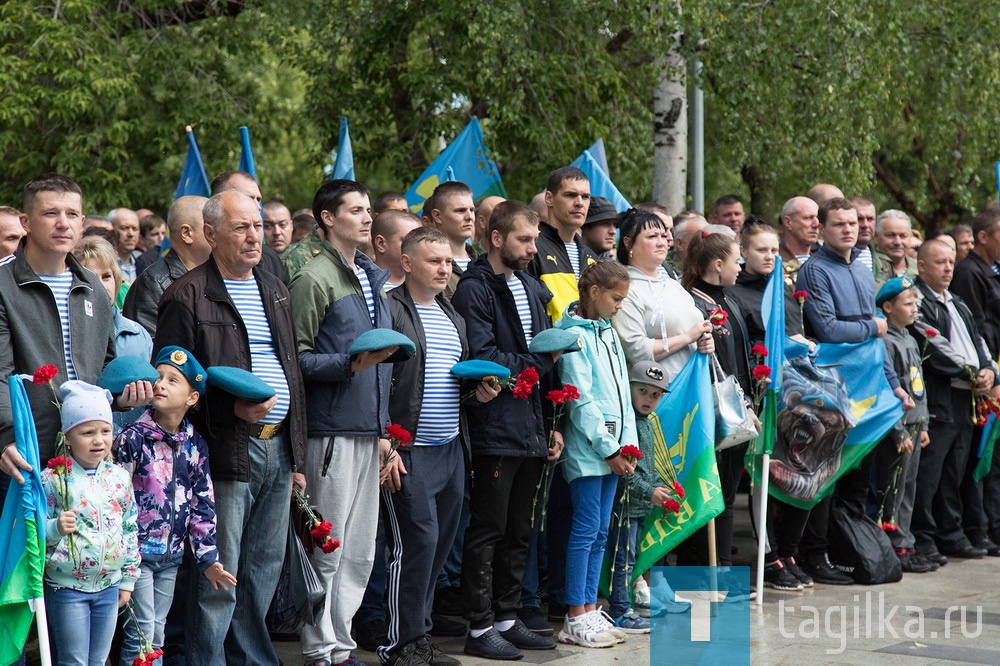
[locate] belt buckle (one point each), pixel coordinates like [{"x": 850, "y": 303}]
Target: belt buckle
[{"x": 270, "y": 430}]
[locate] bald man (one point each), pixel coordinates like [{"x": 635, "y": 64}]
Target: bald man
[
  {"x": 538, "y": 205},
  {"x": 799, "y": 226},
  {"x": 126, "y": 226},
  {"x": 11, "y": 230},
  {"x": 188, "y": 248},
  {"x": 823, "y": 191},
  {"x": 483, "y": 211}
]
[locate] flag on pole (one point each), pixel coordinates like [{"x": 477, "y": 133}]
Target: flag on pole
[
  {"x": 773, "y": 314},
  {"x": 470, "y": 162},
  {"x": 344, "y": 166},
  {"x": 600, "y": 184},
  {"x": 193, "y": 180},
  {"x": 597, "y": 151},
  {"x": 22, "y": 534},
  {"x": 988, "y": 436},
  {"x": 684, "y": 432},
  {"x": 246, "y": 154}
]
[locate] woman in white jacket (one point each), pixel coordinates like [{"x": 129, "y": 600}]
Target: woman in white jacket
[{"x": 658, "y": 321}]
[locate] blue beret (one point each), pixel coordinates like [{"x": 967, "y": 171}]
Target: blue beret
[
  {"x": 891, "y": 289},
  {"x": 184, "y": 361},
  {"x": 125, "y": 370},
  {"x": 380, "y": 338},
  {"x": 555, "y": 340},
  {"x": 240, "y": 383},
  {"x": 479, "y": 370}
]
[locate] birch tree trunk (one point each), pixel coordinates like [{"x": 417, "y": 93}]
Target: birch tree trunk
[{"x": 670, "y": 130}]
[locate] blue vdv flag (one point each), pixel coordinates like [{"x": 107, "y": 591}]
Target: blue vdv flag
[
  {"x": 246, "y": 154},
  {"x": 193, "y": 180},
  {"x": 600, "y": 156},
  {"x": 600, "y": 184},
  {"x": 344, "y": 166},
  {"x": 470, "y": 163}
]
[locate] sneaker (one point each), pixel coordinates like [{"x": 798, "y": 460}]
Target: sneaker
[
  {"x": 579, "y": 631},
  {"x": 631, "y": 623},
  {"x": 912, "y": 564},
  {"x": 370, "y": 635},
  {"x": 404, "y": 656},
  {"x": 640, "y": 596},
  {"x": 557, "y": 611},
  {"x": 492, "y": 645},
  {"x": 987, "y": 544},
  {"x": 797, "y": 571},
  {"x": 318, "y": 662},
  {"x": 935, "y": 557},
  {"x": 522, "y": 638},
  {"x": 666, "y": 600},
  {"x": 778, "y": 577},
  {"x": 434, "y": 655},
  {"x": 352, "y": 660},
  {"x": 603, "y": 622},
  {"x": 445, "y": 626},
  {"x": 535, "y": 621},
  {"x": 448, "y": 601},
  {"x": 738, "y": 587},
  {"x": 934, "y": 566},
  {"x": 826, "y": 573}
]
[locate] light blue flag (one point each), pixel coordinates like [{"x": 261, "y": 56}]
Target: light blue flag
[
  {"x": 998, "y": 180},
  {"x": 193, "y": 180},
  {"x": 773, "y": 314},
  {"x": 597, "y": 151},
  {"x": 470, "y": 161},
  {"x": 344, "y": 166},
  {"x": 246, "y": 154},
  {"x": 600, "y": 184}
]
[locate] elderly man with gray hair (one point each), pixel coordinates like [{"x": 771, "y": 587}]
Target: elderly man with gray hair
[{"x": 892, "y": 239}]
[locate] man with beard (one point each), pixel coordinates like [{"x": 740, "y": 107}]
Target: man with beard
[{"x": 503, "y": 309}]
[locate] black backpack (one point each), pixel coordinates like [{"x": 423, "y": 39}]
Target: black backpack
[{"x": 859, "y": 547}]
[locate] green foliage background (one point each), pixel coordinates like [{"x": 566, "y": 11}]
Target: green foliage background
[{"x": 891, "y": 99}]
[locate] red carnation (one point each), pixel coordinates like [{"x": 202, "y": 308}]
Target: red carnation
[
  {"x": 521, "y": 391},
  {"x": 528, "y": 376},
  {"x": 679, "y": 489},
  {"x": 60, "y": 462},
  {"x": 801, "y": 295},
  {"x": 631, "y": 452},
  {"x": 321, "y": 530},
  {"x": 572, "y": 393},
  {"x": 761, "y": 372},
  {"x": 718, "y": 317},
  {"x": 44, "y": 374},
  {"x": 759, "y": 350},
  {"x": 672, "y": 505},
  {"x": 930, "y": 333},
  {"x": 556, "y": 397},
  {"x": 138, "y": 661},
  {"x": 330, "y": 546},
  {"x": 399, "y": 433}
]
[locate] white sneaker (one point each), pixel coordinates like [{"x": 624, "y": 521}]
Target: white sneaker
[
  {"x": 581, "y": 631},
  {"x": 640, "y": 597},
  {"x": 603, "y": 622}
]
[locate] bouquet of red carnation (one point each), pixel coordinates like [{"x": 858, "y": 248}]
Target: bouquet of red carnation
[
  {"x": 559, "y": 399},
  {"x": 147, "y": 655},
  {"x": 762, "y": 377},
  {"x": 800, "y": 297},
  {"x": 759, "y": 352},
  {"x": 718, "y": 318},
  {"x": 520, "y": 385},
  {"x": 399, "y": 437},
  {"x": 62, "y": 464},
  {"x": 319, "y": 529}
]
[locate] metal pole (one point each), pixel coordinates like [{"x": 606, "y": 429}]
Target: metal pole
[{"x": 697, "y": 166}]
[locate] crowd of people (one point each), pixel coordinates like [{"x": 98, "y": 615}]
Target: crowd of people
[{"x": 169, "y": 495}]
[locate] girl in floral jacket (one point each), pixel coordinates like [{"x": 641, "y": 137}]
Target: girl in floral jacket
[
  {"x": 92, "y": 556},
  {"x": 168, "y": 461}
]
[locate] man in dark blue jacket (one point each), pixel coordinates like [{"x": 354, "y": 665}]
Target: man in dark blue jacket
[{"x": 503, "y": 309}]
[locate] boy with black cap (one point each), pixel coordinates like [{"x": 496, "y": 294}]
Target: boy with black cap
[
  {"x": 897, "y": 456},
  {"x": 598, "y": 232},
  {"x": 168, "y": 461}
]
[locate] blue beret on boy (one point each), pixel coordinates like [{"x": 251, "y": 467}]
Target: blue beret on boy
[
  {"x": 891, "y": 289},
  {"x": 184, "y": 361}
]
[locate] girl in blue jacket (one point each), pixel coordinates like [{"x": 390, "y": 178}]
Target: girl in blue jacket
[{"x": 595, "y": 428}]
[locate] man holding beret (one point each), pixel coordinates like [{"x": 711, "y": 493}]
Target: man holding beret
[
  {"x": 228, "y": 312},
  {"x": 337, "y": 297}
]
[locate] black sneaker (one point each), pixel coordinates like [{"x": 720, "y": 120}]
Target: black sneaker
[
  {"x": 434, "y": 655},
  {"x": 448, "y": 601},
  {"x": 492, "y": 645},
  {"x": 444, "y": 626},
  {"x": 913, "y": 564},
  {"x": 535, "y": 621},
  {"x": 778, "y": 577},
  {"x": 797, "y": 571},
  {"x": 935, "y": 557},
  {"x": 738, "y": 586},
  {"x": 827, "y": 574},
  {"x": 557, "y": 611},
  {"x": 370, "y": 635},
  {"x": 990, "y": 546},
  {"x": 934, "y": 566},
  {"x": 521, "y": 637},
  {"x": 405, "y": 656}
]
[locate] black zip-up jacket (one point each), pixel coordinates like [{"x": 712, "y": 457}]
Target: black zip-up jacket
[
  {"x": 407, "y": 393},
  {"x": 197, "y": 313},
  {"x": 732, "y": 347},
  {"x": 142, "y": 301},
  {"x": 31, "y": 336},
  {"x": 748, "y": 295},
  {"x": 505, "y": 426},
  {"x": 942, "y": 364},
  {"x": 979, "y": 287}
]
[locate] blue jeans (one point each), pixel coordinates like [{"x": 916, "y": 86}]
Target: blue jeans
[
  {"x": 151, "y": 599},
  {"x": 82, "y": 624},
  {"x": 623, "y": 541},
  {"x": 593, "y": 497},
  {"x": 251, "y": 537}
]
